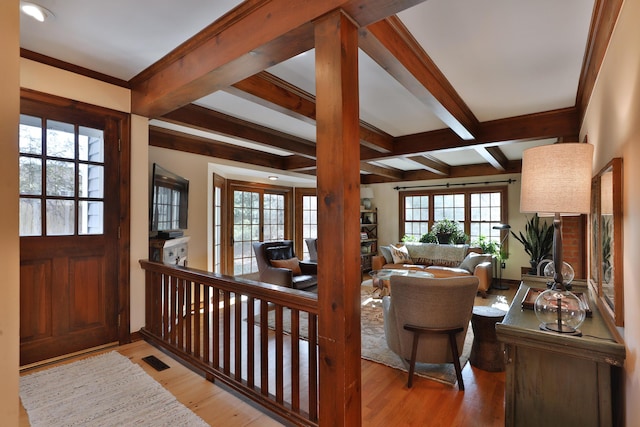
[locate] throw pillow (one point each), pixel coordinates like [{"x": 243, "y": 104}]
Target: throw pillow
[
  {"x": 386, "y": 253},
  {"x": 292, "y": 264},
  {"x": 472, "y": 260},
  {"x": 400, "y": 255}
]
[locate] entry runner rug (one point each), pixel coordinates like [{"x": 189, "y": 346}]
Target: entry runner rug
[
  {"x": 103, "y": 390},
  {"x": 374, "y": 344}
]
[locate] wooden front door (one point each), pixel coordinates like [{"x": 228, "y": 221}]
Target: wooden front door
[{"x": 69, "y": 226}]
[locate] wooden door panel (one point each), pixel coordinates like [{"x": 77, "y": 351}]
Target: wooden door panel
[
  {"x": 35, "y": 296},
  {"x": 87, "y": 293}
]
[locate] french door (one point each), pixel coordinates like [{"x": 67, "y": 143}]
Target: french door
[{"x": 258, "y": 213}]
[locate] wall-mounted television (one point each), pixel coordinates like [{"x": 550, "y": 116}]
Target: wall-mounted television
[{"x": 169, "y": 201}]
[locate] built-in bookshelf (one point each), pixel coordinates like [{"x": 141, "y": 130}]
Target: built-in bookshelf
[{"x": 368, "y": 237}]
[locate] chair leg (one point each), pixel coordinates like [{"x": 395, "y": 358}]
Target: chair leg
[
  {"x": 412, "y": 362},
  {"x": 456, "y": 359}
]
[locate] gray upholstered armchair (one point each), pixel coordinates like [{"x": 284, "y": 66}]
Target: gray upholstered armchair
[
  {"x": 426, "y": 319},
  {"x": 278, "y": 264},
  {"x": 312, "y": 245}
]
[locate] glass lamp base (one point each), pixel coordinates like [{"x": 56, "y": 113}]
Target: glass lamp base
[{"x": 562, "y": 328}]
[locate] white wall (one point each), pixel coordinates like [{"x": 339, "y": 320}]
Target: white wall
[
  {"x": 9, "y": 216},
  {"x": 387, "y": 200},
  {"x": 612, "y": 124}
]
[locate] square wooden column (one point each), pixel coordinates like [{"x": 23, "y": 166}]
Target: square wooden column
[{"x": 338, "y": 178}]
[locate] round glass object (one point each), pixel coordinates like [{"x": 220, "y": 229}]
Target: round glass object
[
  {"x": 567, "y": 272},
  {"x": 559, "y": 311}
]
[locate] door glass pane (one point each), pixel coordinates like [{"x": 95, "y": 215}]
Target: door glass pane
[
  {"x": 60, "y": 139},
  {"x": 90, "y": 180},
  {"x": 60, "y": 178},
  {"x": 30, "y": 134},
  {"x": 90, "y": 217},
  {"x": 60, "y": 217},
  {"x": 90, "y": 144},
  {"x": 30, "y": 217},
  {"x": 30, "y": 176}
]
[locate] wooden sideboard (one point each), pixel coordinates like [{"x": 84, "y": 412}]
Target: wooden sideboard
[{"x": 560, "y": 380}]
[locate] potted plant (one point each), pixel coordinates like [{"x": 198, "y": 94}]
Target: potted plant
[
  {"x": 537, "y": 241},
  {"x": 487, "y": 246},
  {"x": 445, "y": 229},
  {"x": 428, "y": 238}
]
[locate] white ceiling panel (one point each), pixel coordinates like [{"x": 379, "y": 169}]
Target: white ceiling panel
[{"x": 505, "y": 57}]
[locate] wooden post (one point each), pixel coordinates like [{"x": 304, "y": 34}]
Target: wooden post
[{"x": 338, "y": 172}]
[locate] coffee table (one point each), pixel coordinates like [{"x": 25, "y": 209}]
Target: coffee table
[{"x": 382, "y": 278}]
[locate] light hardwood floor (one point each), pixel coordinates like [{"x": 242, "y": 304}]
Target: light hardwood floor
[{"x": 386, "y": 400}]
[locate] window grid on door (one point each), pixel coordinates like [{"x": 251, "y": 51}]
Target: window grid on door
[{"x": 61, "y": 178}]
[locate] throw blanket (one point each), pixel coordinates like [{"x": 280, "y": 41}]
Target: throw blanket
[{"x": 434, "y": 254}]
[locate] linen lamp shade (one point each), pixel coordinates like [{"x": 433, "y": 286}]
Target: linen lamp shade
[{"x": 556, "y": 178}]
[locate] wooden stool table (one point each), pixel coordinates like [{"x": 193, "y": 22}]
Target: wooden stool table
[{"x": 487, "y": 353}]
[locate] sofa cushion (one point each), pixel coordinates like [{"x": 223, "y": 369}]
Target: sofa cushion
[
  {"x": 292, "y": 264},
  {"x": 400, "y": 255},
  {"x": 440, "y": 272},
  {"x": 386, "y": 253},
  {"x": 472, "y": 260}
]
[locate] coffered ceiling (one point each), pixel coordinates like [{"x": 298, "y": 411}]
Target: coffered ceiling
[{"x": 448, "y": 88}]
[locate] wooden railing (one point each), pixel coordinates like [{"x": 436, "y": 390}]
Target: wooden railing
[{"x": 259, "y": 339}]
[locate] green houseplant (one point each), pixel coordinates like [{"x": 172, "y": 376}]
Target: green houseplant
[
  {"x": 445, "y": 229},
  {"x": 537, "y": 241}
]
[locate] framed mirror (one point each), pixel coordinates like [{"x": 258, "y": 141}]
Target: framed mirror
[{"x": 605, "y": 245}]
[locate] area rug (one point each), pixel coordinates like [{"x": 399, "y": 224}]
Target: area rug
[
  {"x": 374, "y": 344},
  {"x": 103, "y": 390}
]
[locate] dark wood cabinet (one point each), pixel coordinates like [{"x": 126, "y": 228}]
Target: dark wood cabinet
[{"x": 558, "y": 379}]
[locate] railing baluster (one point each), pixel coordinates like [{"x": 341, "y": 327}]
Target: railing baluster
[
  {"x": 238, "y": 336},
  {"x": 201, "y": 317}
]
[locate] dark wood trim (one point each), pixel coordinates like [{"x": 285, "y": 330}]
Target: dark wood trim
[
  {"x": 67, "y": 66},
  {"x": 603, "y": 21},
  {"x": 298, "y": 194}
]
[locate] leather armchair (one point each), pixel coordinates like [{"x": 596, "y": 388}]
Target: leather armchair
[
  {"x": 283, "y": 251},
  {"x": 426, "y": 319}
]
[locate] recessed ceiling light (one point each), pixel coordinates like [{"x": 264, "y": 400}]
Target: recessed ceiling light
[
  {"x": 273, "y": 177},
  {"x": 35, "y": 11}
]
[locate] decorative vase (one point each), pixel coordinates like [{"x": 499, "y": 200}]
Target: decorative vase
[{"x": 560, "y": 311}]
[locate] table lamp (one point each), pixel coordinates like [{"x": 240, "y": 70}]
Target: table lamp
[
  {"x": 556, "y": 181},
  {"x": 366, "y": 194}
]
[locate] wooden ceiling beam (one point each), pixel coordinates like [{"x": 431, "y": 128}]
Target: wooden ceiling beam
[
  {"x": 205, "y": 119},
  {"x": 379, "y": 170},
  {"x": 548, "y": 124},
  {"x": 391, "y": 45},
  {"x": 272, "y": 92},
  {"x": 173, "y": 140},
  {"x": 222, "y": 54},
  {"x": 494, "y": 156},
  {"x": 432, "y": 164}
]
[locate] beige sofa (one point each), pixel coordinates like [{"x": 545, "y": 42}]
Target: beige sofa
[{"x": 440, "y": 260}]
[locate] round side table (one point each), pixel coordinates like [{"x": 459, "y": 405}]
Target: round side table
[{"x": 487, "y": 353}]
